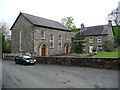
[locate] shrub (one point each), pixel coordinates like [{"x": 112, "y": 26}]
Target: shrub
[
  {"x": 94, "y": 50},
  {"x": 109, "y": 46},
  {"x": 117, "y": 41}
]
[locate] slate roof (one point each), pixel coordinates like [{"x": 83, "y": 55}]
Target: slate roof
[
  {"x": 38, "y": 21},
  {"x": 96, "y": 30}
]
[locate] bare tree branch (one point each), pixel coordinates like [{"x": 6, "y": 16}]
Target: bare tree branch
[
  {"x": 68, "y": 22},
  {"x": 114, "y": 16},
  {"x": 4, "y": 28}
]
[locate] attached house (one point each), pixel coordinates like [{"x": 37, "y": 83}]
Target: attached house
[
  {"x": 39, "y": 36},
  {"x": 96, "y": 36}
]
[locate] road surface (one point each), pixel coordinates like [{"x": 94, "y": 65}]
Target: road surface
[{"x": 53, "y": 76}]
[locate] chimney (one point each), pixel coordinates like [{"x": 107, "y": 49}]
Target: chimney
[
  {"x": 110, "y": 22},
  {"x": 82, "y": 26}
]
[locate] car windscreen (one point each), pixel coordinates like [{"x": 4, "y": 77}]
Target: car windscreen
[{"x": 27, "y": 57}]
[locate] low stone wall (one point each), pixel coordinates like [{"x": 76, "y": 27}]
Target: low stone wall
[
  {"x": 107, "y": 63},
  {"x": 8, "y": 58}
]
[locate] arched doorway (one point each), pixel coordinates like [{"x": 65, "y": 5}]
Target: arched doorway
[
  {"x": 67, "y": 49},
  {"x": 43, "y": 51}
]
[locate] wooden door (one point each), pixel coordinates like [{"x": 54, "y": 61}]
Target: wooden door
[
  {"x": 43, "y": 50},
  {"x": 67, "y": 49}
]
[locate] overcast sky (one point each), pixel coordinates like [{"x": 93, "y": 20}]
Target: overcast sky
[{"x": 89, "y": 12}]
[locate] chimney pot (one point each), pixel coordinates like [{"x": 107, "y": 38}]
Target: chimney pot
[
  {"x": 82, "y": 26},
  {"x": 109, "y": 22}
]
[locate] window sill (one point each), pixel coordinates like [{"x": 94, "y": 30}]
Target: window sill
[
  {"x": 51, "y": 47},
  {"x": 42, "y": 38},
  {"x": 91, "y": 42},
  {"x": 60, "y": 46},
  {"x": 99, "y": 42}
]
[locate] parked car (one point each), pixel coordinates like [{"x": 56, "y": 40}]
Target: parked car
[{"x": 24, "y": 59}]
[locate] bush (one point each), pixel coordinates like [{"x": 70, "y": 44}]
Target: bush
[
  {"x": 109, "y": 46},
  {"x": 117, "y": 41},
  {"x": 94, "y": 50},
  {"x": 6, "y": 46}
]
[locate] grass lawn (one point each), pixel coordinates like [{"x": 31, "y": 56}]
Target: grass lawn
[{"x": 108, "y": 54}]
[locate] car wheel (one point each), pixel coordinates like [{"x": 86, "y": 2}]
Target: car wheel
[
  {"x": 23, "y": 63},
  {"x": 16, "y": 62},
  {"x": 33, "y": 64}
]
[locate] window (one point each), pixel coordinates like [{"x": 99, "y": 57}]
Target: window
[
  {"x": 27, "y": 57},
  {"x": 51, "y": 41},
  {"x": 83, "y": 47},
  {"x": 51, "y": 37},
  {"x": 99, "y": 39},
  {"x": 91, "y": 48},
  {"x": 84, "y": 40},
  {"x": 60, "y": 41},
  {"x": 42, "y": 34},
  {"x": 90, "y": 40},
  {"x": 99, "y": 47},
  {"x": 20, "y": 41},
  {"x": 51, "y": 44}
]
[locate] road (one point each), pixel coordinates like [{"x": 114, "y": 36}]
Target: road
[{"x": 53, "y": 76}]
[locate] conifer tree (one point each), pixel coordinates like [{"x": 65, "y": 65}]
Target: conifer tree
[{"x": 78, "y": 42}]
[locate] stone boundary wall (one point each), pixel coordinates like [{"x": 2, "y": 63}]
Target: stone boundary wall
[{"x": 107, "y": 63}]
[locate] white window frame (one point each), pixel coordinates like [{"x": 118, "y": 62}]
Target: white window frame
[
  {"x": 98, "y": 47},
  {"x": 52, "y": 41},
  {"x": 51, "y": 38},
  {"x": 20, "y": 41},
  {"x": 90, "y": 39},
  {"x": 60, "y": 41},
  {"x": 84, "y": 47},
  {"x": 99, "y": 39},
  {"x": 70, "y": 40},
  {"x": 42, "y": 34},
  {"x": 84, "y": 39}
]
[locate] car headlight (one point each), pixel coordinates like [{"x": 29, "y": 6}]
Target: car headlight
[
  {"x": 34, "y": 60},
  {"x": 27, "y": 60}
]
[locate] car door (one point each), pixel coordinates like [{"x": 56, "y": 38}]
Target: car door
[{"x": 19, "y": 59}]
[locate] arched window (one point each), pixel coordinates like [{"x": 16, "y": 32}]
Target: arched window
[
  {"x": 51, "y": 36},
  {"x": 51, "y": 41},
  {"x": 59, "y": 41},
  {"x": 42, "y": 34},
  {"x": 20, "y": 41}
]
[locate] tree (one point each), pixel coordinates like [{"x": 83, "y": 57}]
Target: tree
[
  {"x": 109, "y": 46},
  {"x": 2, "y": 35},
  {"x": 68, "y": 22},
  {"x": 78, "y": 42},
  {"x": 114, "y": 16},
  {"x": 3, "y": 32}
]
